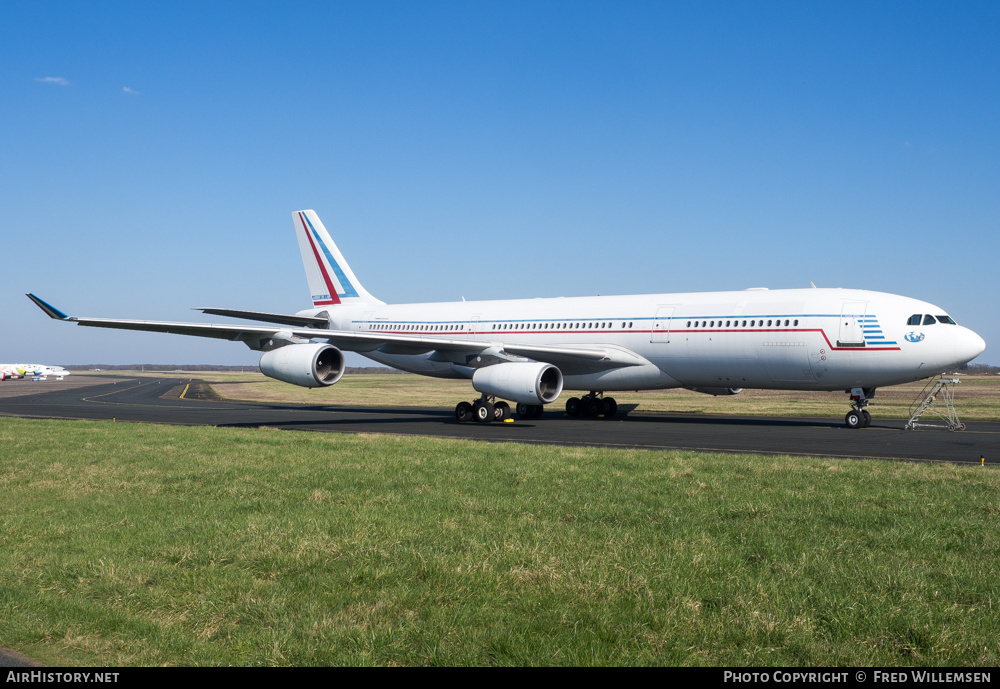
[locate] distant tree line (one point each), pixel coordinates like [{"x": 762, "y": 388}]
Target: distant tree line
[{"x": 980, "y": 369}]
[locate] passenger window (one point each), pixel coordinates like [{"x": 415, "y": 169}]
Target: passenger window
[{"x": 928, "y": 319}]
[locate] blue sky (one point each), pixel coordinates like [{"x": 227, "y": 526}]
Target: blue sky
[{"x": 151, "y": 155}]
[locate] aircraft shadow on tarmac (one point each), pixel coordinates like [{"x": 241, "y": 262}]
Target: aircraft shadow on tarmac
[{"x": 374, "y": 416}]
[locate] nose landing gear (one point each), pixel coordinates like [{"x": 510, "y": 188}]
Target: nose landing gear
[{"x": 859, "y": 417}]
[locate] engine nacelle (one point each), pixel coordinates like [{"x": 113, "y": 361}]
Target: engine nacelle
[
  {"x": 718, "y": 391},
  {"x": 309, "y": 365},
  {"x": 527, "y": 383}
]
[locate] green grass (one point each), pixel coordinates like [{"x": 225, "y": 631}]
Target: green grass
[{"x": 129, "y": 544}]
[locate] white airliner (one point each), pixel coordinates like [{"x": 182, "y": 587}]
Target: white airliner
[
  {"x": 528, "y": 351},
  {"x": 38, "y": 371}
]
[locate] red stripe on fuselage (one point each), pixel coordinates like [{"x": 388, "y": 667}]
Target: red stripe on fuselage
[
  {"x": 601, "y": 331},
  {"x": 334, "y": 299}
]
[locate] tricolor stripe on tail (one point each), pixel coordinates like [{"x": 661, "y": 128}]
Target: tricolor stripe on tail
[{"x": 331, "y": 280}]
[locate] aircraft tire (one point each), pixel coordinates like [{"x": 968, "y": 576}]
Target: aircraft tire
[
  {"x": 463, "y": 412},
  {"x": 867, "y": 419},
  {"x": 573, "y": 406},
  {"x": 501, "y": 411},
  {"x": 853, "y": 419},
  {"x": 483, "y": 412}
]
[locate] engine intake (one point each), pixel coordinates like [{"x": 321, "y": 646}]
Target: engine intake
[
  {"x": 309, "y": 365},
  {"x": 527, "y": 383}
]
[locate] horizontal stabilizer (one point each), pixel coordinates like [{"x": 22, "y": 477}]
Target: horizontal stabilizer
[{"x": 264, "y": 317}]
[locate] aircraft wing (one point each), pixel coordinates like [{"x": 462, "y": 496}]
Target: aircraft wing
[{"x": 569, "y": 358}]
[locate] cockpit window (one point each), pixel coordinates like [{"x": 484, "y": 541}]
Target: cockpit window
[
  {"x": 946, "y": 319},
  {"x": 928, "y": 319},
  {"x": 915, "y": 319}
]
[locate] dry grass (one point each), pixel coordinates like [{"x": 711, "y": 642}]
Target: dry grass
[{"x": 976, "y": 397}]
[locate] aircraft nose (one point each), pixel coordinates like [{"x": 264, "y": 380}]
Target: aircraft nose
[{"x": 971, "y": 345}]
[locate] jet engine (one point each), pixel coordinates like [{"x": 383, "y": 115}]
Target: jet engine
[
  {"x": 309, "y": 365},
  {"x": 526, "y": 383},
  {"x": 718, "y": 391}
]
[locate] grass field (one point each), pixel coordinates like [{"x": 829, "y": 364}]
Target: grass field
[
  {"x": 976, "y": 397},
  {"x": 130, "y": 544}
]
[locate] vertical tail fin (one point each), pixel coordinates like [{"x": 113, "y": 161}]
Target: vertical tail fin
[{"x": 331, "y": 280}]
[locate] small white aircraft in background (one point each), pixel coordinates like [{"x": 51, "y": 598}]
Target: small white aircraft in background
[
  {"x": 36, "y": 371},
  {"x": 528, "y": 351}
]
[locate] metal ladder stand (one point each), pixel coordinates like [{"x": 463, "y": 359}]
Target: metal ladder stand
[{"x": 944, "y": 410}]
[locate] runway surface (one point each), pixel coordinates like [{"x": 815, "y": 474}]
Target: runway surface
[{"x": 159, "y": 400}]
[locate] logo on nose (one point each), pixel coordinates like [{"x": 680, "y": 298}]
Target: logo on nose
[{"x": 913, "y": 337}]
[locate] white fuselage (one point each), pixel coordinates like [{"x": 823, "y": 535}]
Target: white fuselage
[{"x": 803, "y": 339}]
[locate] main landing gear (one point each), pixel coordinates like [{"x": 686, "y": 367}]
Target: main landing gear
[
  {"x": 594, "y": 404},
  {"x": 485, "y": 410},
  {"x": 859, "y": 417}
]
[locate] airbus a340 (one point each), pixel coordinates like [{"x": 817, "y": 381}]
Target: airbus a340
[{"x": 528, "y": 351}]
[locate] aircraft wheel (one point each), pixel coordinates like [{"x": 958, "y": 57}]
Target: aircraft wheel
[
  {"x": 573, "y": 406},
  {"x": 501, "y": 411},
  {"x": 866, "y": 419},
  {"x": 594, "y": 406},
  {"x": 536, "y": 411},
  {"x": 483, "y": 412},
  {"x": 463, "y": 412},
  {"x": 523, "y": 410},
  {"x": 853, "y": 419},
  {"x": 610, "y": 407}
]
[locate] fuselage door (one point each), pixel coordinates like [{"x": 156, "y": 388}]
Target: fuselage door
[
  {"x": 851, "y": 317},
  {"x": 660, "y": 332}
]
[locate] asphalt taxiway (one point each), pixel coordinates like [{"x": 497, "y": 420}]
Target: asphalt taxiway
[{"x": 160, "y": 400}]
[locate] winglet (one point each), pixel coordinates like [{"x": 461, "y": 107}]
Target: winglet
[{"x": 50, "y": 310}]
